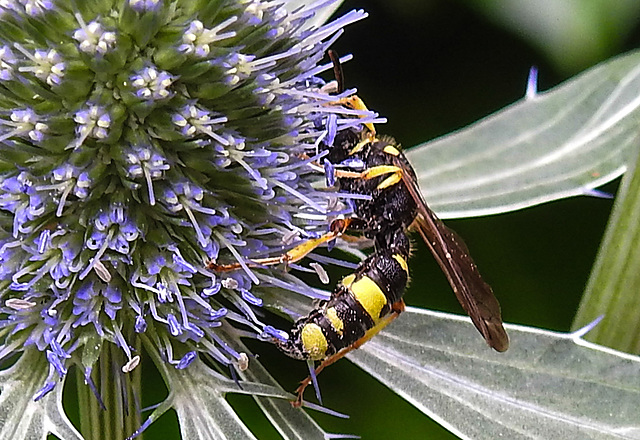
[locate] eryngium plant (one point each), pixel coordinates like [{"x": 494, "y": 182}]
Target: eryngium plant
[{"x": 140, "y": 140}]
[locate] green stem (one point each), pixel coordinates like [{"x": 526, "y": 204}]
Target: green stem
[
  {"x": 613, "y": 289},
  {"x": 119, "y": 392}
]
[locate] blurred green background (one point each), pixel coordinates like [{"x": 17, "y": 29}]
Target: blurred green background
[{"x": 431, "y": 67}]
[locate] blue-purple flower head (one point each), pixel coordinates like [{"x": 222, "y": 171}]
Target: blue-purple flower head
[{"x": 140, "y": 141}]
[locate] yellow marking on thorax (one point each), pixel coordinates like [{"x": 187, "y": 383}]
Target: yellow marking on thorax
[
  {"x": 336, "y": 322},
  {"x": 390, "y": 149},
  {"x": 380, "y": 170},
  {"x": 370, "y": 296},
  {"x": 390, "y": 181},
  {"x": 403, "y": 263},
  {"x": 314, "y": 341}
]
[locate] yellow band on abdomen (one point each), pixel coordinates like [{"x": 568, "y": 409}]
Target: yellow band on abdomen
[
  {"x": 370, "y": 296},
  {"x": 334, "y": 319},
  {"x": 314, "y": 342}
]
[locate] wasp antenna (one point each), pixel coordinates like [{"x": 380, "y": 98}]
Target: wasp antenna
[{"x": 337, "y": 69}]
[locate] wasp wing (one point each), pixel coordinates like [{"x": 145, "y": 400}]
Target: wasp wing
[{"x": 473, "y": 293}]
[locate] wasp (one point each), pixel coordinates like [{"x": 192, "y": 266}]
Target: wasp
[{"x": 370, "y": 298}]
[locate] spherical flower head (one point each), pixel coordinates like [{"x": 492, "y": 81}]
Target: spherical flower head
[{"x": 141, "y": 142}]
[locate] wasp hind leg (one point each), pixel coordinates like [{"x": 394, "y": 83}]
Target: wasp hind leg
[
  {"x": 336, "y": 229},
  {"x": 396, "y": 309}
]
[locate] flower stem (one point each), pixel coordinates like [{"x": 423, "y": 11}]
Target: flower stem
[
  {"x": 614, "y": 283},
  {"x": 120, "y": 394}
]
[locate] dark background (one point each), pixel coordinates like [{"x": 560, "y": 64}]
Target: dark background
[{"x": 431, "y": 67}]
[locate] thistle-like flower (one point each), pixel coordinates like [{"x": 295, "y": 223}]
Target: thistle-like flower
[{"x": 140, "y": 140}]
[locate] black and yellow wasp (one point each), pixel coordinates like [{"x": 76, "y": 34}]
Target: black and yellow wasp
[{"x": 364, "y": 302}]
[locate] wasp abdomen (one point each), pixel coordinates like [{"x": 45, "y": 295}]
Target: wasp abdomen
[{"x": 356, "y": 305}]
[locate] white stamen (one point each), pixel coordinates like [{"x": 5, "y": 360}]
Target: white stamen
[
  {"x": 19, "y": 304},
  {"x": 322, "y": 274},
  {"x": 131, "y": 365}
]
